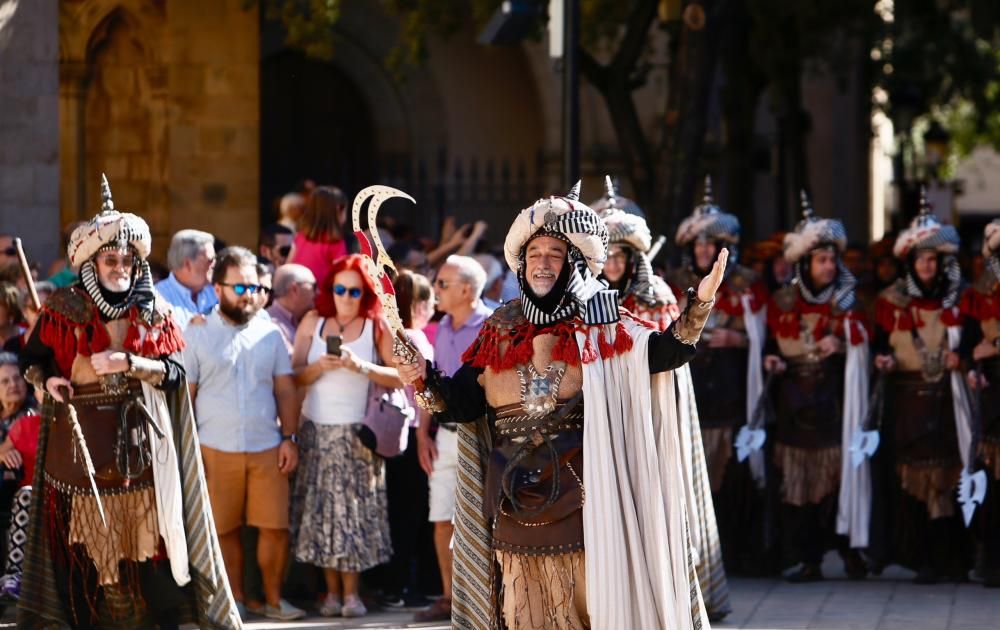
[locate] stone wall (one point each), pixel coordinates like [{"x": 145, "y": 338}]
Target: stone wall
[
  {"x": 164, "y": 98},
  {"x": 29, "y": 125}
]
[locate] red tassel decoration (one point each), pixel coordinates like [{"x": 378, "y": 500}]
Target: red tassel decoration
[
  {"x": 589, "y": 355},
  {"x": 607, "y": 350},
  {"x": 623, "y": 341}
]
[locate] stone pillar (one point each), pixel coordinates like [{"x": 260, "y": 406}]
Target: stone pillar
[
  {"x": 29, "y": 125},
  {"x": 214, "y": 128}
]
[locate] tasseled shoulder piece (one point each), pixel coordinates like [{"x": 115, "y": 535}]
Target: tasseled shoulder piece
[
  {"x": 70, "y": 324},
  {"x": 505, "y": 341}
]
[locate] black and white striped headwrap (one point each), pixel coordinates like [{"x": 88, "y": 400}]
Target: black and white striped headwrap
[
  {"x": 841, "y": 293},
  {"x": 950, "y": 272},
  {"x": 586, "y": 296},
  {"x": 140, "y": 294}
]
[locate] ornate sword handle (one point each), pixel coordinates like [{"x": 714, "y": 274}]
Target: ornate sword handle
[{"x": 426, "y": 397}]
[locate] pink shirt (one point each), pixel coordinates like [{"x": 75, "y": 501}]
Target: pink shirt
[
  {"x": 316, "y": 255},
  {"x": 427, "y": 350}
]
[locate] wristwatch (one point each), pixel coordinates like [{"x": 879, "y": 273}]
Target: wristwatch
[{"x": 292, "y": 438}]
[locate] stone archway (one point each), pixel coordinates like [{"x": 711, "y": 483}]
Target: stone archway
[{"x": 113, "y": 108}]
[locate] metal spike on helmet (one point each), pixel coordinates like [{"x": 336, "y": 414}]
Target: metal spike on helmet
[
  {"x": 574, "y": 192},
  {"x": 807, "y": 209},
  {"x": 924, "y": 216},
  {"x": 707, "y": 200},
  {"x": 107, "y": 204}
]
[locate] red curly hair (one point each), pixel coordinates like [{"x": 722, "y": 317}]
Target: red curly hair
[{"x": 370, "y": 308}]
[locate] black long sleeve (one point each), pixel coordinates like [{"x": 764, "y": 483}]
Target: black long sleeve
[
  {"x": 174, "y": 377},
  {"x": 666, "y": 352},
  {"x": 464, "y": 397}
]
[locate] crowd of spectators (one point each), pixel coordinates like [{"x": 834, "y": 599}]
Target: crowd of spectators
[{"x": 283, "y": 346}]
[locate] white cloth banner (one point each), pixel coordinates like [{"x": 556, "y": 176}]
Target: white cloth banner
[
  {"x": 635, "y": 520},
  {"x": 854, "y": 508},
  {"x": 960, "y": 400},
  {"x": 167, "y": 483},
  {"x": 755, "y": 324}
]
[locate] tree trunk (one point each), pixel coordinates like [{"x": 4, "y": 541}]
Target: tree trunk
[
  {"x": 681, "y": 169},
  {"x": 741, "y": 94}
]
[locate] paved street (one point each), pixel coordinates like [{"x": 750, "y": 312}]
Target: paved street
[{"x": 889, "y": 602}]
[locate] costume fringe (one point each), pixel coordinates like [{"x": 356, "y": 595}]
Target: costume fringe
[
  {"x": 979, "y": 306},
  {"x": 808, "y": 474},
  {"x": 69, "y": 338},
  {"x": 539, "y": 592},
  {"x": 734, "y": 307},
  {"x": 932, "y": 485},
  {"x": 892, "y": 317},
  {"x": 80, "y": 541},
  {"x": 502, "y": 348}
]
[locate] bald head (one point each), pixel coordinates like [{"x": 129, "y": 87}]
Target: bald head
[{"x": 294, "y": 287}]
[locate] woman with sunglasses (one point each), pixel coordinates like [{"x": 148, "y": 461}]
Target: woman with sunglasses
[{"x": 339, "y": 507}]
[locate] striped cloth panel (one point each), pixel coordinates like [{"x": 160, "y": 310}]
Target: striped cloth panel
[
  {"x": 705, "y": 530},
  {"x": 475, "y": 597}
]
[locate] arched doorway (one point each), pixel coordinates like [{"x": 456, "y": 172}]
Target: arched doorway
[{"x": 315, "y": 124}]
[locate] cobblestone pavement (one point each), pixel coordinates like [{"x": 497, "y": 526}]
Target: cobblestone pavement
[{"x": 889, "y": 602}]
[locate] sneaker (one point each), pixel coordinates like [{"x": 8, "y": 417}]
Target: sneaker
[
  {"x": 438, "y": 611},
  {"x": 331, "y": 606},
  {"x": 353, "y": 607},
  {"x": 10, "y": 588},
  {"x": 282, "y": 612}
]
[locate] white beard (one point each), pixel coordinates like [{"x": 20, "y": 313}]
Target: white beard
[{"x": 116, "y": 286}]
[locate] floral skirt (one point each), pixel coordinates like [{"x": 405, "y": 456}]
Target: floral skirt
[{"x": 339, "y": 514}]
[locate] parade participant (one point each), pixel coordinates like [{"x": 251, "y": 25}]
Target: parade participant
[
  {"x": 642, "y": 293},
  {"x": 564, "y": 377},
  {"x": 981, "y": 303},
  {"x": 728, "y": 379},
  {"x": 917, "y": 339},
  {"x": 121, "y": 534},
  {"x": 813, "y": 325}
]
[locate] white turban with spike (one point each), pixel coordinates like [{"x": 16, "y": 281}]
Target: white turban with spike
[{"x": 109, "y": 228}]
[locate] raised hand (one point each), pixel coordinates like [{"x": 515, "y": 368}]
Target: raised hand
[{"x": 711, "y": 283}]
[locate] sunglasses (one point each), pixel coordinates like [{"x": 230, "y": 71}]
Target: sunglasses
[
  {"x": 10, "y": 251},
  {"x": 444, "y": 284},
  {"x": 354, "y": 292},
  {"x": 112, "y": 260},
  {"x": 284, "y": 250},
  {"x": 240, "y": 289}
]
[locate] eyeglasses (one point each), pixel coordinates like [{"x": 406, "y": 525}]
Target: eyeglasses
[
  {"x": 284, "y": 250},
  {"x": 113, "y": 260},
  {"x": 354, "y": 292},
  {"x": 9, "y": 251},
  {"x": 240, "y": 289},
  {"x": 444, "y": 284}
]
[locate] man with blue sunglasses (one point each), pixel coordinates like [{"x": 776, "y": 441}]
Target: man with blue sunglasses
[{"x": 240, "y": 377}]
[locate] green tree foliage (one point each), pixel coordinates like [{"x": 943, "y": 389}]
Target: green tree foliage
[{"x": 927, "y": 57}]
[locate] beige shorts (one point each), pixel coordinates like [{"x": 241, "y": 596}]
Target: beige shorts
[
  {"x": 246, "y": 488},
  {"x": 443, "y": 482}
]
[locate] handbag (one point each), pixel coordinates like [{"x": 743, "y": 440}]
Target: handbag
[{"x": 387, "y": 416}]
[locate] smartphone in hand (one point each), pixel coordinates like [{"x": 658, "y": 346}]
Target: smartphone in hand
[{"x": 333, "y": 345}]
